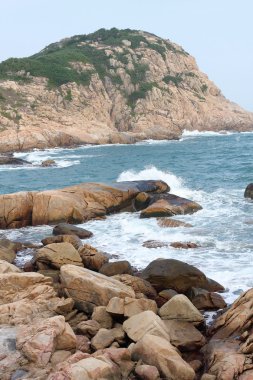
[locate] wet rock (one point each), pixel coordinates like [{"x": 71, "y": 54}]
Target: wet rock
[
  {"x": 169, "y": 205},
  {"x": 147, "y": 372},
  {"x": 174, "y": 274},
  {"x": 249, "y": 191},
  {"x": 184, "y": 335},
  {"x": 72, "y": 239},
  {"x": 10, "y": 160},
  {"x": 143, "y": 323},
  {"x": 158, "y": 352},
  {"x": 6, "y": 267},
  {"x": 68, "y": 229},
  {"x": 141, "y": 201},
  {"x": 57, "y": 254},
  {"x": 204, "y": 300},
  {"x": 117, "y": 267},
  {"x": 180, "y": 308},
  {"x": 91, "y": 289},
  {"x": 213, "y": 286},
  {"x": 48, "y": 163},
  {"x": 154, "y": 244},
  {"x": 102, "y": 317},
  {"x": 171, "y": 223},
  {"x": 92, "y": 258},
  {"x": 180, "y": 245}
]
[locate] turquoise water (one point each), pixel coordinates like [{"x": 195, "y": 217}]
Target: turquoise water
[{"x": 209, "y": 168}]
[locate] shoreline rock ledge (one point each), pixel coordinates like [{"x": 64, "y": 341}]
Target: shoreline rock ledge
[{"x": 74, "y": 204}]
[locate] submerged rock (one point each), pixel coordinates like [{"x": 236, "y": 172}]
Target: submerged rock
[
  {"x": 10, "y": 160},
  {"x": 249, "y": 191},
  {"x": 171, "y": 223},
  {"x": 48, "y": 163}
]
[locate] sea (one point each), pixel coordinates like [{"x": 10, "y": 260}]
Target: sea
[{"x": 210, "y": 168}]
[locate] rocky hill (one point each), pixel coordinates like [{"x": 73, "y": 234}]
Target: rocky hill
[{"x": 112, "y": 86}]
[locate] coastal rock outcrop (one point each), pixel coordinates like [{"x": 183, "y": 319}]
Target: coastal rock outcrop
[
  {"x": 104, "y": 90},
  {"x": 249, "y": 191},
  {"x": 71, "y": 204}
]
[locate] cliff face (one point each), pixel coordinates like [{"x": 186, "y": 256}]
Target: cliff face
[{"x": 109, "y": 87}]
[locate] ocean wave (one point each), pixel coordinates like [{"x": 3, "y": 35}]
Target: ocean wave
[{"x": 197, "y": 133}]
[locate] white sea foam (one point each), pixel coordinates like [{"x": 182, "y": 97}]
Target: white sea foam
[{"x": 197, "y": 133}]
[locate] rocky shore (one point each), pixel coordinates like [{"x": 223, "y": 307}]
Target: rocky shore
[{"x": 74, "y": 313}]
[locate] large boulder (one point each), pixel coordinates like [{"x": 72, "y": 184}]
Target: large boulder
[
  {"x": 6, "y": 267},
  {"x": 249, "y": 191},
  {"x": 68, "y": 229},
  {"x": 16, "y": 209},
  {"x": 169, "y": 205},
  {"x": 139, "y": 285},
  {"x": 57, "y": 254},
  {"x": 204, "y": 300},
  {"x": 128, "y": 307},
  {"x": 91, "y": 289},
  {"x": 8, "y": 250},
  {"x": 180, "y": 308},
  {"x": 158, "y": 352},
  {"x": 175, "y": 274}
]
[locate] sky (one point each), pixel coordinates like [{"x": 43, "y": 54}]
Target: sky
[{"x": 218, "y": 33}]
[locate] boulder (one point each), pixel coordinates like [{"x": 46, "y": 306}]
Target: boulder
[
  {"x": 102, "y": 317},
  {"x": 39, "y": 340},
  {"x": 249, "y": 191},
  {"x": 6, "y": 267},
  {"x": 184, "y": 335},
  {"x": 10, "y": 160},
  {"x": 57, "y": 254},
  {"x": 68, "y": 229},
  {"x": 137, "y": 284},
  {"x": 169, "y": 205},
  {"x": 121, "y": 357},
  {"x": 91, "y": 289},
  {"x": 180, "y": 308},
  {"x": 72, "y": 239},
  {"x": 92, "y": 258},
  {"x": 167, "y": 294},
  {"x": 158, "y": 352},
  {"x": 143, "y": 323},
  {"x": 174, "y": 274},
  {"x": 88, "y": 328},
  {"x": 83, "y": 344},
  {"x": 102, "y": 339},
  {"x": 171, "y": 223},
  {"x": 155, "y": 244},
  {"x": 117, "y": 267},
  {"x": 59, "y": 356},
  {"x": 48, "y": 163},
  {"x": 7, "y": 254},
  {"x": 147, "y": 372},
  {"x": 213, "y": 286},
  {"x": 141, "y": 201},
  {"x": 16, "y": 210},
  {"x": 204, "y": 300}
]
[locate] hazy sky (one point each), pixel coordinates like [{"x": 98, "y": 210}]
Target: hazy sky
[{"x": 218, "y": 33}]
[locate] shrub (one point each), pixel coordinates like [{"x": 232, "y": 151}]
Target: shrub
[{"x": 174, "y": 79}]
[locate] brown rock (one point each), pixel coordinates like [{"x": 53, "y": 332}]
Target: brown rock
[
  {"x": 180, "y": 245},
  {"x": 72, "y": 239},
  {"x": 6, "y": 254},
  {"x": 92, "y": 258},
  {"x": 89, "y": 328},
  {"x": 147, "y": 372},
  {"x": 48, "y": 163},
  {"x": 102, "y": 317},
  {"x": 167, "y": 294},
  {"x": 169, "y": 205},
  {"x": 59, "y": 356},
  {"x": 121, "y": 357},
  {"x": 213, "y": 286},
  {"x": 6, "y": 267},
  {"x": 128, "y": 307},
  {"x": 180, "y": 308},
  {"x": 68, "y": 229},
  {"x": 175, "y": 274},
  {"x": 204, "y": 300},
  {"x": 171, "y": 223},
  {"x": 184, "y": 335},
  {"x": 99, "y": 289},
  {"x": 102, "y": 339},
  {"x": 16, "y": 210},
  {"x": 158, "y": 352},
  {"x": 57, "y": 254},
  {"x": 143, "y": 323},
  {"x": 141, "y": 201},
  {"x": 117, "y": 267},
  {"x": 155, "y": 244},
  {"x": 137, "y": 284},
  {"x": 83, "y": 343},
  {"x": 249, "y": 191}
]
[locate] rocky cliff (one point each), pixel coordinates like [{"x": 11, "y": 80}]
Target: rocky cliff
[{"x": 112, "y": 86}]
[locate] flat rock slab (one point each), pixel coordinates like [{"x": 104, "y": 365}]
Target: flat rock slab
[{"x": 90, "y": 288}]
